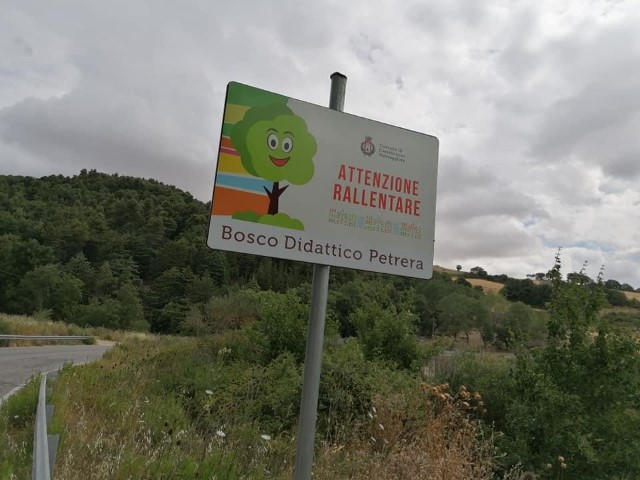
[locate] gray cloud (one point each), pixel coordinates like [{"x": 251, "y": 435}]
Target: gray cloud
[{"x": 466, "y": 192}]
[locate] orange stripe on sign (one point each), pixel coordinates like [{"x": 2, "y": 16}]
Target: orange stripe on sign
[
  {"x": 226, "y": 142},
  {"x": 227, "y": 201}
]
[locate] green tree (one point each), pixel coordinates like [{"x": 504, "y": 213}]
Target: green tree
[
  {"x": 130, "y": 312},
  {"x": 612, "y": 284},
  {"x": 527, "y": 292},
  {"x": 276, "y": 145},
  {"x": 616, "y": 298},
  {"x": 515, "y": 326},
  {"x": 99, "y": 313},
  {"x": 169, "y": 319},
  {"x": 386, "y": 334},
  {"x": 48, "y": 287},
  {"x": 478, "y": 272},
  {"x": 496, "y": 306},
  {"x": 578, "y": 395},
  {"x": 281, "y": 326},
  {"x": 79, "y": 267},
  {"x": 343, "y": 303},
  {"x": 460, "y": 314}
]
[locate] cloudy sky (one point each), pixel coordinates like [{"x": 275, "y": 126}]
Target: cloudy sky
[{"x": 536, "y": 104}]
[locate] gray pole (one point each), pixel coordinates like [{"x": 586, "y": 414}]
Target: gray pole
[{"x": 315, "y": 336}]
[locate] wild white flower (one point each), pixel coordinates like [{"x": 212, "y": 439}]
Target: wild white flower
[
  {"x": 380, "y": 426},
  {"x": 265, "y": 437},
  {"x": 208, "y": 392},
  {"x": 221, "y": 434},
  {"x": 370, "y": 415},
  {"x": 374, "y": 409}
]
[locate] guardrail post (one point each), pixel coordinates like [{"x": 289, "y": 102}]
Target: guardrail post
[
  {"x": 41, "y": 465},
  {"x": 45, "y": 446}
]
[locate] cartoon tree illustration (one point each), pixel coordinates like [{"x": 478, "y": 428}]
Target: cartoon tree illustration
[{"x": 276, "y": 145}]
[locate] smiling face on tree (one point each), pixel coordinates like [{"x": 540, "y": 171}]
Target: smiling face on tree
[{"x": 275, "y": 144}]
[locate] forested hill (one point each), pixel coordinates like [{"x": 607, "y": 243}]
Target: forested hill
[
  {"x": 113, "y": 250},
  {"x": 124, "y": 252}
]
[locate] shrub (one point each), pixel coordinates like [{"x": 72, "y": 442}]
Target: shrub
[
  {"x": 387, "y": 335},
  {"x": 281, "y": 326}
]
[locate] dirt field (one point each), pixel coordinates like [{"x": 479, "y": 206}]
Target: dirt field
[
  {"x": 448, "y": 271},
  {"x": 633, "y": 295},
  {"x": 487, "y": 285}
]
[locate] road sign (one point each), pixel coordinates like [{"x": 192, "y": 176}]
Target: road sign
[{"x": 302, "y": 182}]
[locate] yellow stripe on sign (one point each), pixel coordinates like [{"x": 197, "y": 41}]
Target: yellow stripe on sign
[
  {"x": 234, "y": 113},
  {"x": 230, "y": 164}
]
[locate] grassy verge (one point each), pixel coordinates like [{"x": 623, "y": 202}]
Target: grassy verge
[
  {"x": 23, "y": 325},
  {"x": 17, "y": 417},
  {"x": 206, "y": 408}
]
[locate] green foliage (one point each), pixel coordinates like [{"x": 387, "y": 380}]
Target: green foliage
[
  {"x": 527, "y": 292},
  {"x": 628, "y": 319},
  {"x": 386, "y": 334},
  {"x": 98, "y": 313},
  {"x": 222, "y": 313},
  {"x": 17, "y": 418},
  {"x": 460, "y": 313},
  {"x": 343, "y": 303},
  {"x": 570, "y": 397},
  {"x": 478, "y": 272},
  {"x": 122, "y": 310},
  {"x": 616, "y": 298},
  {"x": 463, "y": 281},
  {"x": 274, "y": 132},
  {"x": 281, "y": 326},
  {"x": 489, "y": 374},
  {"x": 348, "y": 384},
  {"x": 45, "y": 287},
  {"x": 281, "y": 220}
]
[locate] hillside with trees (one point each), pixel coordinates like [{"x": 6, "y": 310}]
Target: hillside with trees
[{"x": 116, "y": 251}]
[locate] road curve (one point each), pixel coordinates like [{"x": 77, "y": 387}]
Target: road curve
[{"x": 18, "y": 364}]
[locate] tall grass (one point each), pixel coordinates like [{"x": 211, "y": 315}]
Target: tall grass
[
  {"x": 42, "y": 325},
  {"x": 17, "y": 417},
  {"x": 187, "y": 408}
]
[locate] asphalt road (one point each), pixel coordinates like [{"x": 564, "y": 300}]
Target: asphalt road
[{"x": 18, "y": 364}]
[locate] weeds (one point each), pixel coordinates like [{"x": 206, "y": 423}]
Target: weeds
[
  {"x": 186, "y": 408},
  {"x": 41, "y": 325},
  {"x": 17, "y": 417}
]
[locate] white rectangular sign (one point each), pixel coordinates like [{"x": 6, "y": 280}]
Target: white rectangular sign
[{"x": 302, "y": 182}]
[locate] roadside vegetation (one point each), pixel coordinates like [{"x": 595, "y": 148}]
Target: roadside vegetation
[
  {"x": 41, "y": 325},
  {"x": 17, "y": 418},
  {"x": 467, "y": 375}
]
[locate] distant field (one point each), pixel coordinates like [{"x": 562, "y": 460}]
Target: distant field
[
  {"x": 447, "y": 271},
  {"x": 487, "y": 285},
  {"x": 633, "y": 295}
]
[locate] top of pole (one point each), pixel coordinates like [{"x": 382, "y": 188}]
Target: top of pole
[{"x": 338, "y": 90}]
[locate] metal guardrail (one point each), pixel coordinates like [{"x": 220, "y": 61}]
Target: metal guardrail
[
  {"x": 45, "y": 337},
  {"x": 44, "y": 445}
]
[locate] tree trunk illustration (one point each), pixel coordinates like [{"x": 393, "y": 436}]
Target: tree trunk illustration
[{"x": 274, "y": 196}]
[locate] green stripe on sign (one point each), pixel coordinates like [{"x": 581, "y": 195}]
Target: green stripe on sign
[{"x": 240, "y": 94}]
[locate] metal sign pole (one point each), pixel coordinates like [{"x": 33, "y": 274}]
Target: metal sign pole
[{"x": 315, "y": 336}]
